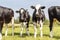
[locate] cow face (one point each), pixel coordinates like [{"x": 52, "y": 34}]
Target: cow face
[
  {"x": 21, "y": 11},
  {"x": 23, "y": 14},
  {"x": 37, "y": 9}
]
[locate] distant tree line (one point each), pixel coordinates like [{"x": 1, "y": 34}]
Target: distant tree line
[{"x": 17, "y": 21}]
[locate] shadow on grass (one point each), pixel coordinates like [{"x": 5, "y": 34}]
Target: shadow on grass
[
  {"x": 7, "y": 34},
  {"x": 46, "y": 35},
  {"x": 23, "y": 35},
  {"x": 3, "y": 34},
  {"x": 57, "y": 37},
  {"x": 31, "y": 34},
  {"x": 18, "y": 34}
]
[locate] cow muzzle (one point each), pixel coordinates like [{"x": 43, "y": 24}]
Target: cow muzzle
[{"x": 37, "y": 15}]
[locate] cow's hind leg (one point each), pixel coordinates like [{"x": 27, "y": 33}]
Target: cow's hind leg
[
  {"x": 41, "y": 25},
  {"x": 27, "y": 29},
  {"x": 35, "y": 29},
  {"x": 6, "y": 29},
  {"x": 50, "y": 26}
]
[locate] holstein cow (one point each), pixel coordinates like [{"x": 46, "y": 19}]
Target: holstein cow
[
  {"x": 54, "y": 12},
  {"x": 6, "y": 15},
  {"x": 24, "y": 18},
  {"x": 38, "y": 17}
]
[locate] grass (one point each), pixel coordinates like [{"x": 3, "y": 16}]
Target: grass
[{"x": 56, "y": 31}]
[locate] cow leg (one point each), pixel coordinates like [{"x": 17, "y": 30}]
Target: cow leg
[
  {"x": 0, "y": 35},
  {"x": 6, "y": 29},
  {"x": 41, "y": 25},
  {"x": 1, "y": 26},
  {"x": 27, "y": 29},
  {"x": 35, "y": 29},
  {"x": 12, "y": 26},
  {"x": 21, "y": 29},
  {"x": 50, "y": 26}
]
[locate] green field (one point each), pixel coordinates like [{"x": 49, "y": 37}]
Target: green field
[{"x": 56, "y": 32}]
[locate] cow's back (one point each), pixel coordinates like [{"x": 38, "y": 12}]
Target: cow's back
[
  {"x": 54, "y": 12},
  {"x": 7, "y": 14},
  {"x": 1, "y": 14}
]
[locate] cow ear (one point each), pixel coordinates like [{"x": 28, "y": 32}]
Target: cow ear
[
  {"x": 42, "y": 7},
  {"x": 17, "y": 11},
  {"x": 32, "y": 7}
]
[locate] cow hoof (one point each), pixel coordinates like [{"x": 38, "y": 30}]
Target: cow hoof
[
  {"x": 51, "y": 36},
  {"x": 20, "y": 35},
  {"x": 41, "y": 36},
  {"x": 34, "y": 36},
  {"x": 28, "y": 34},
  {"x": 5, "y": 35},
  {"x": 13, "y": 35}
]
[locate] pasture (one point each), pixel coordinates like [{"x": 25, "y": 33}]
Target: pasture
[{"x": 56, "y": 33}]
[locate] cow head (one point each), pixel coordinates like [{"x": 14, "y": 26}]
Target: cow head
[
  {"x": 23, "y": 13},
  {"x": 22, "y": 10},
  {"x": 37, "y": 9}
]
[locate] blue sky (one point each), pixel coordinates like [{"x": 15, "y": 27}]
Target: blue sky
[{"x": 17, "y": 4}]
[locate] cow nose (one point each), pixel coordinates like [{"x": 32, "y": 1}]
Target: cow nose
[
  {"x": 37, "y": 14},
  {"x": 22, "y": 18}
]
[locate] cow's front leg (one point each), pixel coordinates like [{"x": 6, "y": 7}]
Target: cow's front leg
[
  {"x": 6, "y": 29},
  {"x": 41, "y": 25},
  {"x": 21, "y": 29},
  {"x": 35, "y": 29},
  {"x": 27, "y": 29}
]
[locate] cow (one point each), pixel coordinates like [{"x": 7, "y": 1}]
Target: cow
[
  {"x": 38, "y": 17},
  {"x": 53, "y": 12},
  {"x": 6, "y": 16},
  {"x": 24, "y": 19}
]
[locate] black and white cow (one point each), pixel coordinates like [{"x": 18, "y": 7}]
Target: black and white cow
[
  {"x": 38, "y": 17},
  {"x": 6, "y": 16},
  {"x": 54, "y": 12},
  {"x": 24, "y": 18}
]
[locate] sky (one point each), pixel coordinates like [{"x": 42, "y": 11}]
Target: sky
[{"x": 17, "y": 4}]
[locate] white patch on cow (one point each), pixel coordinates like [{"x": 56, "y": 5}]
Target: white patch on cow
[
  {"x": 6, "y": 29},
  {"x": 35, "y": 29},
  {"x": 12, "y": 26},
  {"x": 51, "y": 34},
  {"x": 0, "y": 36},
  {"x": 22, "y": 10},
  {"x": 41, "y": 25},
  {"x": 37, "y": 7}
]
